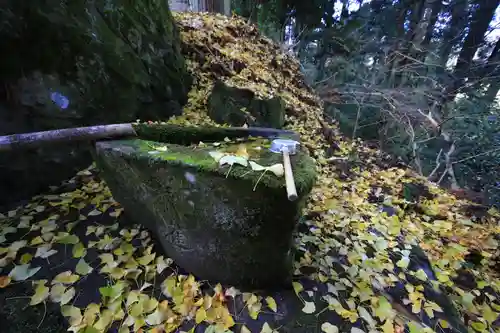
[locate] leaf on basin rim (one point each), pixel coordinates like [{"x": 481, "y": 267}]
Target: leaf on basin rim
[
  {"x": 277, "y": 168},
  {"x": 216, "y": 155},
  {"x": 231, "y": 159}
]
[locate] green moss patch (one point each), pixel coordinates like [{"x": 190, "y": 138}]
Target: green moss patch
[
  {"x": 198, "y": 156},
  {"x": 183, "y": 148},
  {"x": 186, "y": 135}
]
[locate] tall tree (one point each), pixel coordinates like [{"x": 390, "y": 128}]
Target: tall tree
[
  {"x": 492, "y": 71},
  {"x": 480, "y": 21},
  {"x": 435, "y": 7},
  {"x": 454, "y": 31}
]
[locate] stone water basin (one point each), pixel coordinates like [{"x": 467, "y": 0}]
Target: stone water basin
[{"x": 225, "y": 223}]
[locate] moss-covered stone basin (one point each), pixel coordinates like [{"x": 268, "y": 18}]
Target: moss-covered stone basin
[{"x": 224, "y": 223}]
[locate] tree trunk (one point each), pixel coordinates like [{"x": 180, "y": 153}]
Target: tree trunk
[
  {"x": 226, "y": 7},
  {"x": 491, "y": 74},
  {"x": 249, "y": 10},
  {"x": 454, "y": 31},
  {"x": 435, "y": 7},
  {"x": 492, "y": 92},
  {"x": 179, "y": 5},
  {"x": 480, "y": 22},
  {"x": 344, "y": 15},
  {"x": 400, "y": 44}
]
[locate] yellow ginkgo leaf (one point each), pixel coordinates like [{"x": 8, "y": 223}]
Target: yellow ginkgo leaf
[
  {"x": 278, "y": 169},
  {"x": 25, "y": 258},
  {"x": 78, "y": 250},
  {"x": 94, "y": 212},
  {"x": 45, "y": 251},
  {"x": 232, "y": 292},
  {"x": 309, "y": 307},
  {"x": 105, "y": 319},
  {"x": 479, "y": 326},
  {"x": 90, "y": 313},
  {"x": 403, "y": 262},
  {"x": 388, "y": 326},
  {"x": 36, "y": 241},
  {"x": 443, "y": 323},
  {"x": 297, "y": 286},
  {"x": 23, "y": 272},
  {"x": 231, "y": 160},
  {"x": 66, "y": 277},
  {"x": 83, "y": 268},
  {"x": 266, "y": 328},
  {"x": 41, "y": 293},
  {"x": 363, "y": 313},
  {"x": 256, "y": 167},
  {"x": 56, "y": 292},
  {"x": 356, "y": 330},
  {"x": 271, "y": 303},
  {"x": 329, "y": 328},
  {"x": 254, "y": 310},
  {"x": 242, "y": 151},
  {"x": 201, "y": 315},
  {"x": 67, "y": 296},
  {"x": 73, "y": 313},
  {"x": 147, "y": 259},
  {"x": 244, "y": 329},
  {"x": 155, "y": 318},
  {"x": 216, "y": 155},
  {"x": 421, "y": 275}
]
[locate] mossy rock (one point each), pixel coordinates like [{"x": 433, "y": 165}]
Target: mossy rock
[
  {"x": 215, "y": 222},
  {"x": 236, "y": 106},
  {"x": 185, "y": 135}
]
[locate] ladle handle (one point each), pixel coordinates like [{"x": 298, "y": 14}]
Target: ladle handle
[{"x": 290, "y": 182}]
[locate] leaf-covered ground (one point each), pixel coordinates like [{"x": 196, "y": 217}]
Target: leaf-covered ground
[{"x": 379, "y": 249}]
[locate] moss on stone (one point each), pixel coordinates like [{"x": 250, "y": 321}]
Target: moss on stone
[
  {"x": 219, "y": 228},
  {"x": 236, "y": 106},
  {"x": 199, "y": 157},
  {"x": 186, "y": 135}
]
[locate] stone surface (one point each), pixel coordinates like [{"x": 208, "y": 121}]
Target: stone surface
[
  {"x": 80, "y": 63},
  {"x": 210, "y": 221},
  {"x": 236, "y": 106}
]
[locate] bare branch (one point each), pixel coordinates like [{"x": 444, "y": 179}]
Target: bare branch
[
  {"x": 438, "y": 165},
  {"x": 477, "y": 155}
]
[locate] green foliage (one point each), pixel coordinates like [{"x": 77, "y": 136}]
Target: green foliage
[{"x": 394, "y": 85}]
